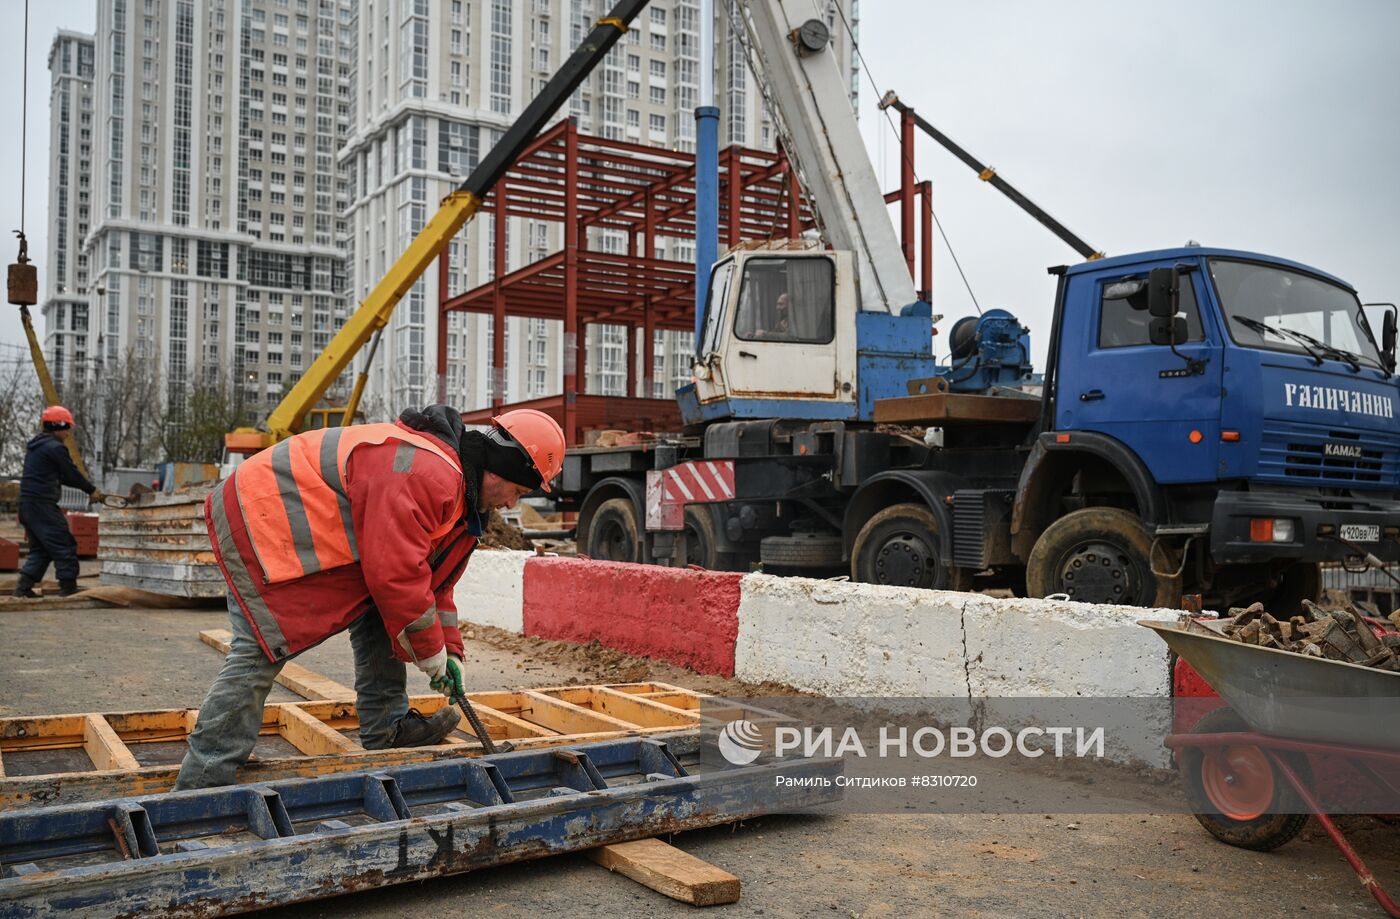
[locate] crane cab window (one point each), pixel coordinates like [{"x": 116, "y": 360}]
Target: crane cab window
[
  {"x": 787, "y": 300},
  {"x": 1124, "y": 322}
]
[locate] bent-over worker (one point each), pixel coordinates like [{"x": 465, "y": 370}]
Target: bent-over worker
[
  {"x": 48, "y": 466},
  {"x": 365, "y": 528}
]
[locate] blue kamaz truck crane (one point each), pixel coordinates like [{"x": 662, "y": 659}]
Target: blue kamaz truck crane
[{"x": 1209, "y": 421}]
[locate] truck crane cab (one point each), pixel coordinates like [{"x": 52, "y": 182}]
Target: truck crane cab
[
  {"x": 778, "y": 333},
  {"x": 785, "y": 337}
]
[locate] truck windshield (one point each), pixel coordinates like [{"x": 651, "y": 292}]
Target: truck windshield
[{"x": 1281, "y": 310}]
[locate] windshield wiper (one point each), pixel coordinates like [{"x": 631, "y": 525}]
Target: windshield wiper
[
  {"x": 1345, "y": 357},
  {"x": 1308, "y": 342},
  {"x": 1263, "y": 327}
]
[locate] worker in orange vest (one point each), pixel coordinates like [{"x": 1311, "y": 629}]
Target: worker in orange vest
[{"x": 365, "y": 528}]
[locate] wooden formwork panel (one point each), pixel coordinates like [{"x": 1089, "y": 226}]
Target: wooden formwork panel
[{"x": 53, "y": 759}]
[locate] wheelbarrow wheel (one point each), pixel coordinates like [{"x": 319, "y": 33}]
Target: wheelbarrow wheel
[{"x": 1240, "y": 797}]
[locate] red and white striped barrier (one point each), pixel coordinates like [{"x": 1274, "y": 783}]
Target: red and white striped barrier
[{"x": 829, "y": 637}]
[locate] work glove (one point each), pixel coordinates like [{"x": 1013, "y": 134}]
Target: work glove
[
  {"x": 447, "y": 677},
  {"x": 96, "y": 496}
]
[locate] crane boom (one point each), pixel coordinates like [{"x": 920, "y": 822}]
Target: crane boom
[
  {"x": 456, "y": 209},
  {"x": 988, "y": 174},
  {"x": 809, "y": 98}
]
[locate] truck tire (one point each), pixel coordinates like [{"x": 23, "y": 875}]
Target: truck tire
[
  {"x": 613, "y": 534},
  {"x": 800, "y": 550},
  {"x": 701, "y": 540},
  {"x": 900, "y": 546},
  {"x": 1300, "y": 582},
  {"x": 1101, "y": 555}
]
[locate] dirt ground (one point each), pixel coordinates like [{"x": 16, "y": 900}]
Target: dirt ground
[{"x": 869, "y": 866}]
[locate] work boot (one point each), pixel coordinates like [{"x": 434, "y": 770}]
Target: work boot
[
  {"x": 417, "y": 730},
  {"x": 25, "y": 588},
  {"x": 67, "y": 588}
]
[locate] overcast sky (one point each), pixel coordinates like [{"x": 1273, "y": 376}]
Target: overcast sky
[{"x": 1269, "y": 125}]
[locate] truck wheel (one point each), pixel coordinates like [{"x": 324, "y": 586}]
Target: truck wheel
[
  {"x": 700, "y": 539},
  {"x": 1240, "y": 797},
  {"x": 613, "y": 532},
  {"x": 900, "y": 546},
  {"x": 1300, "y": 582},
  {"x": 1101, "y": 555},
  {"x": 801, "y": 550}
]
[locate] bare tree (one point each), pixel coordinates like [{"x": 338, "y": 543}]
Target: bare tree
[
  {"x": 196, "y": 424},
  {"x": 120, "y": 410},
  {"x": 21, "y": 403}
]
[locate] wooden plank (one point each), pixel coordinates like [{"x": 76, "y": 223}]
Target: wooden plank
[
  {"x": 301, "y": 680},
  {"x": 667, "y": 870},
  {"x": 508, "y": 727},
  {"x": 682, "y": 700},
  {"x": 568, "y": 718},
  {"x": 104, "y": 747},
  {"x": 150, "y": 727},
  {"x": 956, "y": 408},
  {"x": 311, "y": 735},
  {"x": 134, "y": 598},
  {"x": 46, "y": 603},
  {"x": 629, "y": 708}
]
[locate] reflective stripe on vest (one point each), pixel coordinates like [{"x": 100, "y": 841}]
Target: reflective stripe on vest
[{"x": 295, "y": 504}]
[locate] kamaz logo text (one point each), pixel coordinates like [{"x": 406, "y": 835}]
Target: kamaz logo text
[
  {"x": 1350, "y": 451},
  {"x": 1333, "y": 398}
]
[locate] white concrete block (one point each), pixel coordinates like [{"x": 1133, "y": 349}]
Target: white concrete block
[
  {"x": 491, "y": 590},
  {"x": 1021, "y": 647},
  {"x": 844, "y": 639}
]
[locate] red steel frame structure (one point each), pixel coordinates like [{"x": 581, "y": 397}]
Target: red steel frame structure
[{"x": 584, "y": 182}]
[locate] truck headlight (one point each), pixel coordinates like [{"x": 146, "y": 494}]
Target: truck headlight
[{"x": 1271, "y": 529}]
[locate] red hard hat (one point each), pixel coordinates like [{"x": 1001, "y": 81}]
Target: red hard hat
[
  {"x": 57, "y": 414},
  {"x": 540, "y": 436}
]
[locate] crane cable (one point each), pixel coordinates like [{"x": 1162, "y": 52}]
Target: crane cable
[
  {"x": 876, "y": 88},
  {"x": 24, "y": 122}
]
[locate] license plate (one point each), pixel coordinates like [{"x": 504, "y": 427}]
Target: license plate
[{"x": 1355, "y": 532}]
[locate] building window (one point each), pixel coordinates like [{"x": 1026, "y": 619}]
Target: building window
[{"x": 500, "y": 56}]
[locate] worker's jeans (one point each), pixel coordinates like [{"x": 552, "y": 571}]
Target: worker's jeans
[
  {"x": 49, "y": 538},
  {"x": 232, "y": 713}
]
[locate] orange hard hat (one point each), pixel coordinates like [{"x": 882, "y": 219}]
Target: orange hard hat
[
  {"x": 57, "y": 414},
  {"x": 539, "y": 436}
]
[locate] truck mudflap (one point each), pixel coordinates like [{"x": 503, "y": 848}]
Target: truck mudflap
[
  {"x": 220, "y": 851},
  {"x": 1367, "y": 523}
]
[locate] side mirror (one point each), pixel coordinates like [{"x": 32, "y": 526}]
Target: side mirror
[
  {"x": 1388, "y": 338},
  {"x": 1162, "y": 293},
  {"x": 1166, "y": 331}
]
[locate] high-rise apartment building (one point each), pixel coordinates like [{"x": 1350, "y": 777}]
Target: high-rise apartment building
[
  {"x": 215, "y": 252},
  {"x": 250, "y": 168},
  {"x": 65, "y": 308},
  {"x": 436, "y": 85}
]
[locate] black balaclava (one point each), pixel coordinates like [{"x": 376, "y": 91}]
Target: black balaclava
[
  {"x": 493, "y": 451},
  {"x": 506, "y": 458}
]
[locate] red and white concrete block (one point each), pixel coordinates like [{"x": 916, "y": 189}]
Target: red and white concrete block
[{"x": 829, "y": 637}]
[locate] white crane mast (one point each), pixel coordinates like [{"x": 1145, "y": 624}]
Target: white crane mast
[{"x": 788, "y": 47}]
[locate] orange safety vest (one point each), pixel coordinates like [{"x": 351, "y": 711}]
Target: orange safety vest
[{"x": 295, "y": 503}]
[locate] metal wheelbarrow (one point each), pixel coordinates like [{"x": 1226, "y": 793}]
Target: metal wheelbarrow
[{"x": 1248, "y": 768}]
